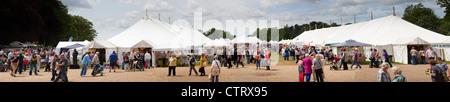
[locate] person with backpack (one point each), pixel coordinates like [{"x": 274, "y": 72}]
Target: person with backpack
[
  {"x": 215, "y": 70},
  {"x": 435, "y": 72}
]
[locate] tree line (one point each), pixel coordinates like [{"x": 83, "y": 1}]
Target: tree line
[
  {"x": 41, "y": 21},
  {"x": 417, "y": 14}
]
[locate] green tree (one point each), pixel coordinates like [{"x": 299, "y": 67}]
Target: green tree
[
  {"x": 445, "y": 4},
  {"x": 423, "y": 17}
]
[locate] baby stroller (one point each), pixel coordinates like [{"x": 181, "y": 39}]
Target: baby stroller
[
  {"x": 97, "y": 69},
  {"x": 334, "y": 64},
  {"x": 138, "y": 65}
]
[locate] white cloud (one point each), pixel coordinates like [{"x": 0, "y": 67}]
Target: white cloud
[
  {"x": 269, "y": 4},
  {"x": 135, "y": 2},
  {"x": 81, "y": 3},
  {"x": 158, "y": 5}
]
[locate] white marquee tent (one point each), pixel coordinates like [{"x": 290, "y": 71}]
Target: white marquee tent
[{"x": 382, "y": 33}]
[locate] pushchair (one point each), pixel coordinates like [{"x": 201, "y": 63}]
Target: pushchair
[
  {"x": 334, "y": 64},
  {"x": 138, "y": 65},
  {"x": 97, "y": 69}
]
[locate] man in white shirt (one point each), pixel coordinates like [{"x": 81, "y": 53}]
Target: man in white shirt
[
  {"x": 147, "y": 58},
  {"x": 430, "y": 54}
]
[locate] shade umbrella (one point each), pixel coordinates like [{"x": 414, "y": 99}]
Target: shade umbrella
[{"x": 351, "y": 43}]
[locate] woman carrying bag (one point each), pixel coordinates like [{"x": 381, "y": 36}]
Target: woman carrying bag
[
  {"x": 203, "y": 64},
  {"x": 215, "y": 70}
]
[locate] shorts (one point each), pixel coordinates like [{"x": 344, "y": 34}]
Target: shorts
[{"x": 112, "y": 64}]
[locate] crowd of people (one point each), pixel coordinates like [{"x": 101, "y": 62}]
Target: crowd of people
[{"x": 310, "y": 61}]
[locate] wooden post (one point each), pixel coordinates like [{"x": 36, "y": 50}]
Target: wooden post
[
  {"x": 354, "y": 19},
  {"x": 371, "y": 15},
  {"x": 169, "y": 20},
  {"x": 159, "y": 17},
  {"x": 393, "y": 7}
]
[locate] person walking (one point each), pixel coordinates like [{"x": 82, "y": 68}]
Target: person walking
[
  {"x": 430, "y": 54},
  {"x": 422, "y": 56},
  {"x": 113, "y": 61},
  {"x": 95, "y": 59},
  {"x": 398, "y": 75},
  {"x": 372, "y": 58},
  {"x": 14, "y": 63},
  {"x": 301, "y": 70},
  {"x": 444, "y": 69},
  {"x": 38, "y": 58},
  {"x": 386, "y": 57},
  {"x": 228, "y": 62},
  {"x": 86, "y": 60},
  {"x": 267, "y": 59},
  {"x": 47, "y": 62},
  {"x": 126, "y": 60},
  {"x": 203, "y": 64},
  {"x": 307, "y": 64},
  {"x": 258, "y": 60},
  {"x": 344, "y": 58},
  {"x": 318, "y": 68},
  {"x": 147, "y": 59},
  {"x": 413, "y": 53},
  {"x": 172, "y": 65},
  {"x": 33, "y": 64},
  {"x": 383, "y": 74},
  {"x": 247, "y": 55},
  {"x": 192, "y": 65},
  {"x": 355, "y": 59},
  {"x": 53, "y": 65},
  {"x": 215, "y": 70},
  {"x": 435, "y": 72},
  {"x": 21, "y": 66},
  {"x": 376, "y": 55},
  {"x": 62, "y": 67}
]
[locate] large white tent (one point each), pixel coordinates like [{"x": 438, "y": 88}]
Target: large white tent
[{"x": 382, "y": 33}]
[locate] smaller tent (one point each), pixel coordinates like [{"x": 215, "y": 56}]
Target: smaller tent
[
  {"x": 144, "y": 44},
  {"x": 244, "y": 39},
  {"x": 101, "y": 44},
  {"x": 351, "y": 43},
  {"x": 74, "y": 46}
]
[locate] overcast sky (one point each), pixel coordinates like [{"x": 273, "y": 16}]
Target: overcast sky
[{"x": 111, "y": 17}]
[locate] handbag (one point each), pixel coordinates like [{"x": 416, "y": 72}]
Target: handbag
[
  {"x": 205, "y": 63},
  {"x": 210, "y": 77}
]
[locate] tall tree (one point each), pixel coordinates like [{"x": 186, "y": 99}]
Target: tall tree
[
  {"x": 423, "y": 17},
  {"x": 445, "y": 4}
]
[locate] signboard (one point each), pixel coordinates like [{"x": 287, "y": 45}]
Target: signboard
[{"x": 440, "y": 45}]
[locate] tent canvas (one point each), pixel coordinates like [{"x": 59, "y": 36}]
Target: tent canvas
[
  {"x": 410, "y": 41},
  {"x": 351, "y": 43},
  {"x": 382, "y": 33},
  {"x": 143, "y": 44}
]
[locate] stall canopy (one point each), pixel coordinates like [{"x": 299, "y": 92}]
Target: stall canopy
[
  {"x": 74, "y": 46},
  {"x": 351, "y": 43},
  {"x": 144, "y": 44},
  {"x": 245, "y": 39},
  {"x": 218, "y": 43},
  {"x": 100, "y": 44}
]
